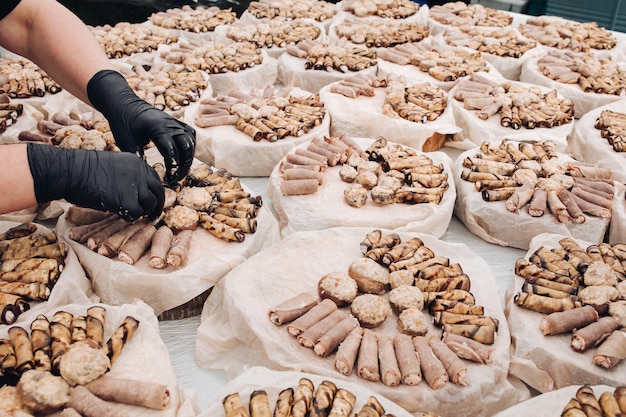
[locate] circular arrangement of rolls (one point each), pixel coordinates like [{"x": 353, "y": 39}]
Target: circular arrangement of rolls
[
  {"x": 125, "y": 39},
  {"x": 198, "y": 20},
  {"x": 581, "y": 291},
  {"x": 393, "y": 278},
  {"x": 21, "y": 78}
]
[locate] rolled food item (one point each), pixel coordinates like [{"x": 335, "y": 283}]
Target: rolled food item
[
  {"x": 456, "y": 369},
  {"x": 299, "y": 186},
  {"x": 309, "y": 337},
  {"x": 609, "y": 405},
  {"x": 41, "y": 340},
  {"x": 23, "y": 349},
  {"x": 259, "y": 404},
  {"x": 95, "y": 324},
  {"x": 303, "y": 174},
  {"x": 371, "y": 408},
  {"x": 89, "y": 405},
  {"x": 233, "y": 407},
  {"x": 61, "y": 334},
  {"x": 620, "y": 396},
  {"x": 545, "y": 305},
  {"x": 469, "y": 349},
  {"x": 315, "y": 314},
  {"x": 136, "y": 245},
  {"x": 408, "y": 361},
  {"x": 323, "y": 399},
  {"x": 348, "y": 351},
  {"x": 367, "y": 359},
  {"x": 302, "y": 398},
  {"x": 292, "y": 308},
  {"x": 481, "y": 333},
  {"x": 284, "y": 403},
  {"x": 389, "y": 369},
  {"x": 330, "y": 340},
  {"x": 343, "y": 404},
  {"x": 432, "y": 369},
  {"x": 129, "y": 391},
  {"x": 593, "y": 334},
  {"x": 161, "y": 242},
  {"x": 612, "y": 350},
  {"x": 177, "y": 254},
  {"x": 94, "y": 240},
  {"x": 120, "y": 337},
  {"x": 566, "y": 321}
]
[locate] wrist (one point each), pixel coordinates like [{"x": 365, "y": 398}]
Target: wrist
[{"x": 46, "y": 164}]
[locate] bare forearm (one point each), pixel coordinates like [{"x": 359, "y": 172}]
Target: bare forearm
[
  {"x": 50, "y": 35},
  {"x": 17, "y": 183}
]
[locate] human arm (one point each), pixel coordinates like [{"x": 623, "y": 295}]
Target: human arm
[
  {"x": 109, "y": 181},
  {"x": 55, "y": 39}
]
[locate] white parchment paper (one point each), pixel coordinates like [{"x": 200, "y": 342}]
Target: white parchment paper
[
  {"x": 143, "y": 358},
  {"x": 235, "y": 331},
  {"x": 547, "y": 362},
  {"x": 491, "y": 221},
  {"x": 363, "y": 117},
  {"x": 228, "y": 147},
  {"x": 327, "y": 208},
  {"x": 588, "y": 145},
  {"x": 273, "y": 382}
]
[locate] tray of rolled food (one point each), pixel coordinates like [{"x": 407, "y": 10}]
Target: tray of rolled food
[
  {"x": 490, "y": 108},
  {"x": 199, "y": 22},
  {"x": 415, "y": 114},
  {"x": 566, "y": 308},
  {"x": 273, "y": 35},
  {"x": 599, "y": 137},
  {"x": 312, "y": 64},
  {"x": 574, "y": 400},
  {"x": 586, "y": 79},
  {"x": 504, "y": 48},
  {"x": 534, "y": 187},
  {"x": 248, "y": 132},
  {"x": 38, "y": 270},
  {"x": 359, "y": 310},
  {"x": 345, "y": 181},
  {"x": 372, "y": 10},
  {"x": 88, "y": 359},
  {"x": 458, "y": 13},
  {"x": 280, "y": 393},
  {"x": 124, "y": 39},
  {"x": 208, "y": 226},
  {"x": 377, "y": 33},
  {"x": 321, "y": 11}
]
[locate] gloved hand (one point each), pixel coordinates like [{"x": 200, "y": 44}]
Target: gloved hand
[
  {"x": 110, "y": 181},
  {"x": 134, "y": 122}
]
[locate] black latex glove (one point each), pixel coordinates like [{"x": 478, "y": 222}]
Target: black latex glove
[
  {"x": 134, "y": 123},
  {"x": 118, "y": 182}
]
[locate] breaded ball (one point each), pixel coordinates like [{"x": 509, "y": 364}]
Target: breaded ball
[
  {"x": 42, "y": 392},
  {"x": 371, "y": 310},
  {"x": 83, "y": 362},
  {"x": 339, "y": 287}
]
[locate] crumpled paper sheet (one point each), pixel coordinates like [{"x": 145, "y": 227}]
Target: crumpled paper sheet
[
  {"x": 20, "y": 216},
  {"x": 327, "y": 207},
  {"x": 412, "y": 72},
  {"x": 617, "y": 228},
  {"x": 490, "y": 130},
  {"x": 209, "y": 259},
  {"x": 145, "y": 357},
  {"x": 492, "y": 222},
  {"x": 273, "y": 382},
  {"x": 363, "y": 117},
  {"x": 72, "y": 285},
  {"x": 551, "y": 403},
  {"x": 583, "y": 101},
  {"x": 221, "y": 33},
  {"x": 291, "y": 73},
  {"x": 586, "y": 143},
  {"x": 235, "y": 331},
  {"x": 227, "y": 147},
  {"x": 547, "y": 362}
]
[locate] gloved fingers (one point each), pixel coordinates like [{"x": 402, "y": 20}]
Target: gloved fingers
[
  {"x": 171, "y": 157},
  {"x": 186, "y": 145},
  {"x": 152, "y": 196}
]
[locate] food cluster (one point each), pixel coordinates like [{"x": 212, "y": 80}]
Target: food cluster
[
  {"x": 277, "y": 32},
  {"x": 380, "y": 34},
  {"x": 393, "y": 278},
  {"x": 9, "y": 112},
  {"x": 198, "y": 20},
  {"x": 73, "y": 130},
  {"x": 459, "y": 14},
  {"x": 214, "y": 58},
  {"x": 60, "y": 362},
  {"x": 31, "y": 263},
  {"x": 587, "y": 403},
  {"x": 393, "y": 9},
  {"x": 420, "y": 102},
  {"x": 498, "y": 42},
  {"x": 567, "y": 34},
  {"x": 517, "y": 104},
  {"x": 209, "y": 198},
  {"x": 306, "y": 399},
  {"x": 532, "y": 175},
  {"x": 356, "y": 85},
  {"x": 324, "y": 56},
  {"x": 442, "y": 63},
  {"x": 21, "y": 78},
  {"x": 266, "y": 114},
  {"x": 612, "y": 127},
  {"x": 291, "y": 9},
  {"x": 581, "y": 291},
  {"x": 592, "y": 74},
  {"x": 125, "y": 39}
]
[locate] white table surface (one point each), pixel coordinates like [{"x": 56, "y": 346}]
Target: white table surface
[{"x": 179, "y": 335}]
